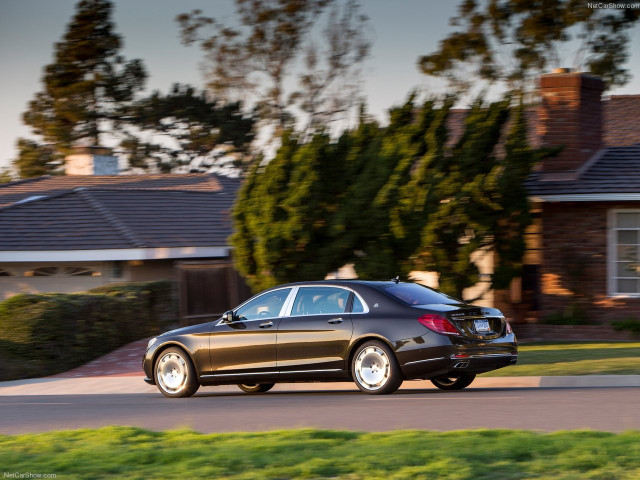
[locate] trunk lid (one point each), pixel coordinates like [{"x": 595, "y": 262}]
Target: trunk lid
[{"x": 480, "y": 323}]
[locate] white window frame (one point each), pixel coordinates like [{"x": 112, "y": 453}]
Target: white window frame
[{"x": 612, "y": 254}]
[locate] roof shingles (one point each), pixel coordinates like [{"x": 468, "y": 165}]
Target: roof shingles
[
  {"x": 616, "y": 171},
  {"x": 188, "y": 211}
]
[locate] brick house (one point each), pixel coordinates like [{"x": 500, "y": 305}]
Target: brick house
[{"x": 585, "y": 246}]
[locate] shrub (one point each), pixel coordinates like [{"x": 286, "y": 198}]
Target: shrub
[
  {"x": 631, "y": 324},
  {"x": 572, "y": 315},
  {"x": 51, "y": 333}
]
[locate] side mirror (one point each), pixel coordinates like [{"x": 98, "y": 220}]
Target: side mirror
[{"x": 227, "y": 317}]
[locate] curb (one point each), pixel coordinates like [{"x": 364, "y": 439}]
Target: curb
[{"x": 135, "y": 385}]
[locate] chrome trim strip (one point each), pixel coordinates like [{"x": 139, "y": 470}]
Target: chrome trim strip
[
  {"x": 423, "y": 361},
  {"x": 314, "y": 371},
  {"x": 487, "y": 355},
  {"x": 271, "y": 373},
  {"x": 237, "y": 374}
]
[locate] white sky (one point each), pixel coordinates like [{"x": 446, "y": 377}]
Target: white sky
[{"x": 403, "y": 30}]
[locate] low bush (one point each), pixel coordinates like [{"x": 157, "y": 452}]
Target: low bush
[
  {"x": 631, "y": 324},
  {"x": 572, "y": 315},
  {"x": 50, "y": 333}
]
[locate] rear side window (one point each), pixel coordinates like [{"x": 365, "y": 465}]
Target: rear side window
[
  {"x": 357, "y": 305},
  {"x": 320, "y": 300},
  {"x": 416, "y": 294}
]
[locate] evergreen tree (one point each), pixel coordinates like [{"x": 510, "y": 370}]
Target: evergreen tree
[
  {"x": 194, "y": 122},
  {"x": 391, "y": 200},
  {"x": 35, "y": 160},
  {"x": 85, "y": 87}
]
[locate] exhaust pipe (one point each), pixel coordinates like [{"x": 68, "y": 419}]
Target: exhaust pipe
[{"x": 461, "y": 365}]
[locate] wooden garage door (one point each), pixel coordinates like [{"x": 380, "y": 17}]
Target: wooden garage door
[{"x": 207, "y": 290}]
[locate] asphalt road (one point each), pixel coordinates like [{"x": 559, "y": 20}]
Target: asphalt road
[{"x": 611, "y": 409}]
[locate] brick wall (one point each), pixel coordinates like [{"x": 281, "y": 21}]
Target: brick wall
[{"x": 574, "y": 262}]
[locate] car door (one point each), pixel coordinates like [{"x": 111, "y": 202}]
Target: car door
[
  {"x": 315, "y": 334},
  {"x": 247, "y": 346}
]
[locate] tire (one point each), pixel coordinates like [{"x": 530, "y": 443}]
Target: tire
[
  {"x": 457, "y": 382},
  {"x": 174, "y": 373},
  {"x": 375, "y": 369},
  {"x": 255, "y": 387}
]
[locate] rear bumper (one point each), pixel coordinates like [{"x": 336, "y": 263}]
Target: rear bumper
[{"x": 459, "y": 358}]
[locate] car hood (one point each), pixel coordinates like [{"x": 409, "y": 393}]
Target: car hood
[{"x": 183, "y": 330}]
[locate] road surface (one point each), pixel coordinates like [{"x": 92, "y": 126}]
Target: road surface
[{"x": 612, "y": 409}]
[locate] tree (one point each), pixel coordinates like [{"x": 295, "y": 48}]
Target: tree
[
  {"x": 5, "y": 175},
  {"x": 35, "y": 159},
  {"x": 281, "y": 216},
  {"x": 255, "y": 60},
  {"x": 86, "y": 86},
  {"x": 195, "y": 125},
  {"x": 391, "y": 200},
  {"x": 515, "y": 41}
]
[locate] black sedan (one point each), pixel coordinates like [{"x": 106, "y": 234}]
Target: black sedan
[{"x": 376, "y": 334}]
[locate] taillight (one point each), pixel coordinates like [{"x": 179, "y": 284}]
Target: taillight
[
  {"x": 509, "y": 329},
  {"x": 438, "y": 324}
]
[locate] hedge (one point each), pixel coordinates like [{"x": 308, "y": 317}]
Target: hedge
[{"x": 46, "y": 334}]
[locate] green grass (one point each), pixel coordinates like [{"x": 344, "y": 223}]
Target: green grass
[
  {"x": 574, "y": 359},
  {"x": 132, "y": 453}
]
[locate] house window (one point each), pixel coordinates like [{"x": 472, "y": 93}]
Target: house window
[
  {"x": 42, "y": 272},
  {"x": 62, "y": 271},
  {"x": 625, "y": 252},
  {"x": 80, "y": 272}
]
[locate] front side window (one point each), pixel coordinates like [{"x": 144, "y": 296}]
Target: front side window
[
  {"x": 320, "y": 301},
  {"x": 267, "y": 305},
  {"x": 625, "y": 278}
]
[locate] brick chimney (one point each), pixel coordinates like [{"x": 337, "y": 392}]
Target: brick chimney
[
  {"x": 91, "y": 161},
  {"x": 570, "y": 114}
]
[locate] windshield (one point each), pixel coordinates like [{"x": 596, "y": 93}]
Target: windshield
[{"x": 416, "y": 294}]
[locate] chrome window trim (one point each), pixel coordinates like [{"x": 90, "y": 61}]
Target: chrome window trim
[{"x": 364, "y": 304}]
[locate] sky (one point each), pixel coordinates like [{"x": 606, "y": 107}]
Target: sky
[{"x": 402, "y": 30}]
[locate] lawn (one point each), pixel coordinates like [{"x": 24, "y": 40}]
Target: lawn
[
  {"x": 614, "y": 358},
  {"x": 132, "y": 453}
]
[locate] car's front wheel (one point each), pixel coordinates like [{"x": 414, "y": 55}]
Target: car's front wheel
[
  {"x": 255, "y": 387},
  {"x": 174, "y": 374},
  {"x": 375, "y": 369},
  {"x": 451, "y": 382}
]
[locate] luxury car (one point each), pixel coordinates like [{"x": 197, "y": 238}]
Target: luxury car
[{"x": 376, "y": 334}]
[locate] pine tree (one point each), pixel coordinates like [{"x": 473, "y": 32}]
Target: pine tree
[
  {"x": 196, "y": 123},
  {"x": 86, "y": 86}
]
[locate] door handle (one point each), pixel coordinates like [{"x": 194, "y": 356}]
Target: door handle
[
  {"x": 335, "y": 320},
  {"x": 266, "y": 325}
]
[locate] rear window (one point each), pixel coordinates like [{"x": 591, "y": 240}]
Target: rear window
[{"x": 416, "y": 294}]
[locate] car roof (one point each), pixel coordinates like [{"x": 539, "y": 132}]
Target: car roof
[{"x": 342, "y": 282}]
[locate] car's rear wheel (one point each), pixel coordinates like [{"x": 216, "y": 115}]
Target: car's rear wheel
[
  {"x": 255, "y": 387},
  {"x": 375, "y": 369},
  {"x": 174, "y": 374},
  {"x": 453, "y": 382}
]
